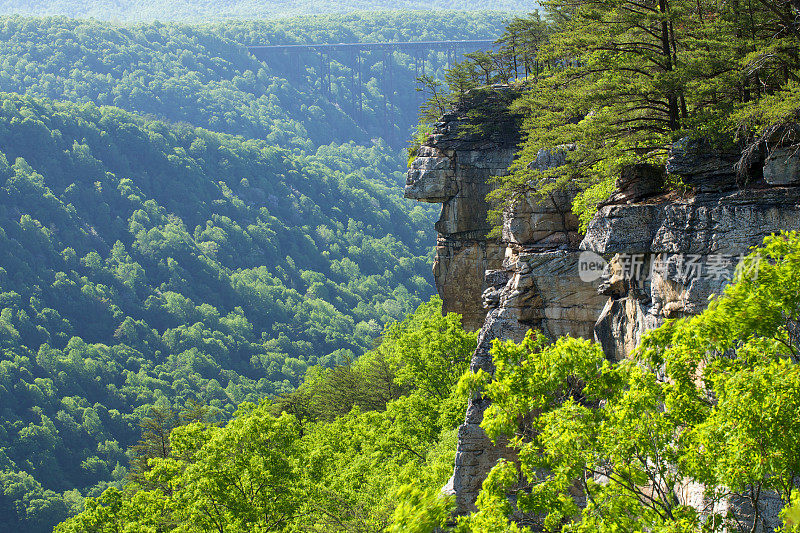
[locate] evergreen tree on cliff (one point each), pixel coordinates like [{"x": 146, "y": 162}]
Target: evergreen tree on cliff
[{"x": 629, "y": 77}]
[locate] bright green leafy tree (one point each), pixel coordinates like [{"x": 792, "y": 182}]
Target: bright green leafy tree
[
  {"x": 709, "y": 401},
  {"x": 365, "y": 467}
]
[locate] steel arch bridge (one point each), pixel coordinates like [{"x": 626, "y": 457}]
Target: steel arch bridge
[{"x": 299, "y": 56}]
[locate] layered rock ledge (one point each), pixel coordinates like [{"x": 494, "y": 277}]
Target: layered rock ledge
[
  {"x": 664, "y": 253},
  {"x": 454, "y": 167}
]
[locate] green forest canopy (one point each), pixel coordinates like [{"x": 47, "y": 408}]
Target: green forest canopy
[
  {"x": 712, "y": 399},
  {"x": 228, "y": 229},
  {"x": 584, "y": 83},
  {"x": 204, "y": 11},
  {"x": 350, "y": 443},
  {"x": 146, "y": 264},
  {"x": 204, "y": 76}
]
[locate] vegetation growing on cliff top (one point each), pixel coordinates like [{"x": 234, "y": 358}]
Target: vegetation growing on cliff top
[
  {"x": 635, "y": 76},
  {"x": 622, "y": 79}
]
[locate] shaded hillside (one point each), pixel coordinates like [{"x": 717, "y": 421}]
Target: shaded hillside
[
  {"x": 204, "y": 76},
  {"x": 147, "y": 264}
]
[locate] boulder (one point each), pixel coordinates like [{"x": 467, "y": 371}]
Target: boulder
[
  {"x": 782, "y": 167},
  {"x": 698, "y": 164},
  {"x": 637, "y": 182}
]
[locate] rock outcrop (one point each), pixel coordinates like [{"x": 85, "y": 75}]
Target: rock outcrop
[
  {"x": 667, "y": 258},
  {"x": 782, "y": 167},
  {"x": 663, "y": 254},
  {"x": 454, "y": 167},
  {"x": 538, "y": 286}
]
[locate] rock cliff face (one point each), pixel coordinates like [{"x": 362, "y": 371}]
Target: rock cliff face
[
  {"x": 538, "y": 286},
  {"x": 453, "y": 168},
  {"x": 664, "y": 254},
  {"x": 668, "y": 257}
]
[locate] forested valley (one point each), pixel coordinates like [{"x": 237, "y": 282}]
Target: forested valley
[
  {"x": 216, "y": 310},
  {"x": 187, "y": 227}
]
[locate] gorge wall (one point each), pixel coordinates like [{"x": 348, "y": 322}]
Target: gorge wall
[
  {"x": 454, "y": 168},
  {"x": 663, "y": 253}
]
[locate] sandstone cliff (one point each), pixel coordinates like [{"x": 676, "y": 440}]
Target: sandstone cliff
[
  {"x": 665, "y": 253},
  {"x": 468, "y": 147}
]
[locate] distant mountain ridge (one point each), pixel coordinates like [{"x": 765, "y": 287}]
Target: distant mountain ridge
[
  {"x": 205, "y": 11},
  {"x": 204, "y": 76}
]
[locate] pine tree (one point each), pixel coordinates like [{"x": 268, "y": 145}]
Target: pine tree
[
  {"x": 629, "y": 77},
  {"x": 154, "y": 443},
  {"x": 523, "y": 39}
]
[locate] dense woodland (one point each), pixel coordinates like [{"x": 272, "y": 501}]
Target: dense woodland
[
  {"x": 204, "y": 10},
  {"x": 160, "y": 269},
  {"x": 204, "y": 76},
  {"x": 144, "y": 263},
  {"x": 365, "y": 447},
  {"x": 184, "y": 225},
  {"x": 338, "y": 454}
]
